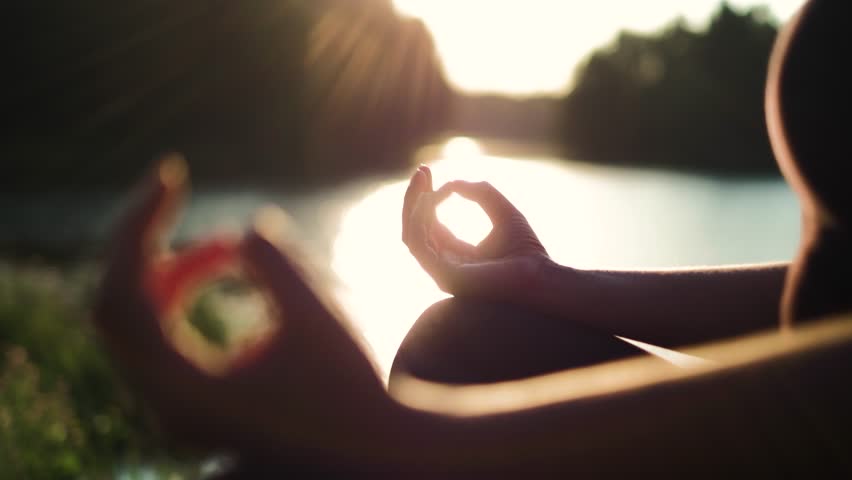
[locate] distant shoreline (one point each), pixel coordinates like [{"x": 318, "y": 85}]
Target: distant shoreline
[{"x": 530, "y": 149}]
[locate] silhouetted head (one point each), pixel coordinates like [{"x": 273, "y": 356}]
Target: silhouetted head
[{"x": 808, "y": 112}]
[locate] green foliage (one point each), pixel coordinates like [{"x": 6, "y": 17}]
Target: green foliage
[
  {"x": 204, "y": 316},
  {"x": 260, "y": 92},
  {"x": 63, "y": 410},
  {"x": 228, "y": 311},
  {"x": 40, "y": 435},
  {"x": 679, "y": 98}
]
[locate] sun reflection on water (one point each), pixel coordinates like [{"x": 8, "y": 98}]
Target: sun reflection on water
[
  {"x": 382, "y": 288},
  {"x": 586, "y": 217},
  {"x": 381, "y": 285}
]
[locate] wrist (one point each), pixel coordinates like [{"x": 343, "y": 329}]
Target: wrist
[{"x": 551, "y": 286}]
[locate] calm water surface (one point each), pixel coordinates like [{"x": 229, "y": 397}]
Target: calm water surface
[{"x": 586, "y": 216}]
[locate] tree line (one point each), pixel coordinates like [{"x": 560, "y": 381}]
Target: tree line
[
  {"x": 267, "y": 91},
  {"x": 300, "y": 92},
  {"x": 680, "y": 98}
]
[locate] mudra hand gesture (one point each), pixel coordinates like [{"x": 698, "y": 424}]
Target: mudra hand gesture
[
  {"x": 307, "y": 387},
  {"x": 508, "y": 258}
]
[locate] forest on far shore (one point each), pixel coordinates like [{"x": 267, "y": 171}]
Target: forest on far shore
[{"x": 289, "y": 92}]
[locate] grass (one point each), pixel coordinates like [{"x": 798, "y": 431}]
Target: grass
[{"x": 64, "y": 411}]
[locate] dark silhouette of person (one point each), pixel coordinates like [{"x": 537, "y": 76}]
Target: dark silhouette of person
[
  {"x": 515, "y": 313},
  {"x": 309, "y": 398}
]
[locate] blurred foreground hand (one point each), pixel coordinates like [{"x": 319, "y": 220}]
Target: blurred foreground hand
[{"x": 306, "y": 387}]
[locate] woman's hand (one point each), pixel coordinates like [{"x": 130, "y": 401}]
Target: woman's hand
[
  {"x": 507, "y": 260},
  {"x": 307, "y": 387}
]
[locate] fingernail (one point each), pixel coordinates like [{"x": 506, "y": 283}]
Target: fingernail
[
  {"x": 270, "y": 222},
  {"x": 172, "y": 171}
]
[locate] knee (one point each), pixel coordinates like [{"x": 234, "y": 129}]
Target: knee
[
  {"x": 463, "y": 341},
  {"x": 476, "y": 341},
  {"x": 430, "y": 348}
]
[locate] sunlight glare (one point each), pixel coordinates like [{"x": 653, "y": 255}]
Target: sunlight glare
[
  {"x": 464, "y": 218},
  {"x": 519, "y": 47},
  {"x": 383, "y": 288},
  {"x": 585, "y": 216},
  {"x": 461, "y": 147}
]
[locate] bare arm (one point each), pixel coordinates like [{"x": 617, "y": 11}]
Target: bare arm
[
  {"x": 308, "y": 397},
  {"x": 669, "y": 308},
  {"x": 777, "y": 402},
  {"x": 666, "y": 308}
]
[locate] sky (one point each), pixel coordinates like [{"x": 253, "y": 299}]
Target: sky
[{"x": 530, "y": 47}]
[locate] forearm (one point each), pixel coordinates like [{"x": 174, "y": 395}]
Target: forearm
[
  {"x": 635, "y": 415},
  {"x": 630, "y": 416},
  {"x": 668, "y": 308}
]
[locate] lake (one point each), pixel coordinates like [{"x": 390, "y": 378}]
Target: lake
[{"x": 587, "y": 216}]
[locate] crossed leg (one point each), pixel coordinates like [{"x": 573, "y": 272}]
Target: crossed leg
[{"x": 462, "y": 340}]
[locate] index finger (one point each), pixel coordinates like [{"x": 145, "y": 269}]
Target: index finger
[{"x": 493, "y": 203}]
